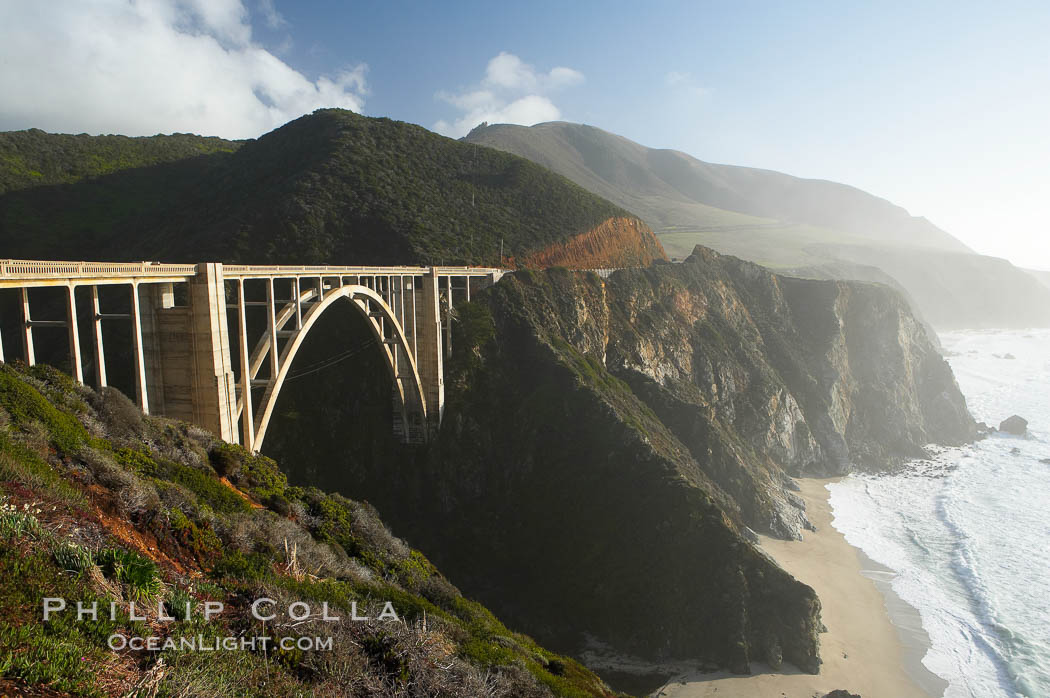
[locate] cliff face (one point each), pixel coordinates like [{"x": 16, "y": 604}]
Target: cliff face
[
  {"x": 607, "y": 443},
  {"x": 617, "y": 242},
  {"x": 818, "y": 376}
]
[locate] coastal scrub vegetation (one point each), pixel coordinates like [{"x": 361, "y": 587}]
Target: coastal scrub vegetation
[
  {"x": 34, "y": 158},
  {"x": 99, "y": 503},
  {"x": 332, "y": 187}
]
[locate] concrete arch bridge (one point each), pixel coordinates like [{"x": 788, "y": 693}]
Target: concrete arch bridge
[{"x": 204, "y": 360}]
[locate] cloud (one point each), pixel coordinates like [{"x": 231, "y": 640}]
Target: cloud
[
  {"x": 274, "y": 19},
  {"x": 140, "y": 67},
  {"x": 512, "y": 92},
  {"x": 684, "y": 84}
]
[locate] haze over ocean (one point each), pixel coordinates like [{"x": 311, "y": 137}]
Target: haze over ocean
[{"x": 967, "y": 530}]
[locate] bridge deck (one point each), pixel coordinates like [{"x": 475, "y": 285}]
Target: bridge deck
[{"x": 20, "y": 273}]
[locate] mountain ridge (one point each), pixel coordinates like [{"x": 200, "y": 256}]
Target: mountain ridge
[
  {"x": 793, "y": 225},
  {"x": 329, "y": 187},
  {"x": 720, "y": 183}
]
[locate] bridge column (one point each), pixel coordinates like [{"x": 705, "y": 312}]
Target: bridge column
[
  {"x": 429, "y": 349},
  {"x": 214, "y": 391},
  {"x": 74, "y": 334},
  {"x": 247, "y": 413},
  {"x": 100, "y": 354},
  {"x": 27, "y": 330},
  {"x": 141, "y": 389},
  {"x": 159, "y": 345}
]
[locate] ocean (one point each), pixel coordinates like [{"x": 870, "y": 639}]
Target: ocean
[{"x": 967, "y": 532}]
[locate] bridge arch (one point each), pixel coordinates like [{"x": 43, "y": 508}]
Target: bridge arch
[{"x": 410, "y": 403}]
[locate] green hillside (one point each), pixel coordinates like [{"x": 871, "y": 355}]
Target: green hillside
[
  {"x": 34, "y": 158},
  {"x": 330, "y": 187},
  {"x": 99, "y": 503},
  {"x": 674, "y": 191}
]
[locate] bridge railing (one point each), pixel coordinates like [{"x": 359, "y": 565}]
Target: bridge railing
[
  {"x": 37, "y": 269},
  {"x": 235, "y": 270},
  {"x": 34, "y": 269}
]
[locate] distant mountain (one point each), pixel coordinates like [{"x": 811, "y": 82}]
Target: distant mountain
[
  {"x": 801, "y": 226},
  {"x": 330, "y": 187}
]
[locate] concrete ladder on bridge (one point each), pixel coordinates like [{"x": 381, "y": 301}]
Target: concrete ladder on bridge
[{"x": 205, "y": 361}]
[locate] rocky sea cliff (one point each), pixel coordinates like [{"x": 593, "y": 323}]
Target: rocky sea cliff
[{"x": 609, "y": 447}]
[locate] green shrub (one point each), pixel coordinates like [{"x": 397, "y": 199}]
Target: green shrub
[
  {"x": 279, "y": 505},
  {"x": 207, "y": 488},
  {"x": 261, "y": 478},
  {"x": 256, "y": 474},
  {"x": 227, "y": 459},
  {"x": 414, "y": 570},
  {"x": 72, "y": 557},
  {"x": 175, "y": 603},
  {"x": 474, "y": 327},
  {"x": 335, "y": 521},
  {"x": 20, "y": 524},
  {"x": 136, "y": 461},
  {"x": 138, "y": 574},
  {"x": 199, "y": 539},
  {"x": 25, "y": 404},
  {"x": 556, "y": 667},
  {"x": 21, "y": 464},
  {"x": 250, "y": 567},
  {"x": 486, "y": 653}
]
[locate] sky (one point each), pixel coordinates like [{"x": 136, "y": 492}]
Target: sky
[{"x": 940, "y": 107}]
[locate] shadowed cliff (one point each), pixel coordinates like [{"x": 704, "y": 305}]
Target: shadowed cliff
[{"x": 607, "y": 444}]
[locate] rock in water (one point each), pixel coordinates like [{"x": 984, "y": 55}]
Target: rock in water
[
  {"x": 1018, "y": 426},
  {"x": 840, "y": 693}
]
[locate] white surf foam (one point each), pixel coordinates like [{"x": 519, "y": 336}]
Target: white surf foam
[{"x": 968, "y": 532}]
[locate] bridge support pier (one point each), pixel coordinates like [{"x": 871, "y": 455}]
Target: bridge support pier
[
  {"x": 29, "y": 354},
  {"x": 430, "y": 349},
  {"x": 100, "y": 354},
  {"x": 214, "y": 387},
  {"x": 73, "y": 330},
  {"x": 187, "y": 351}
]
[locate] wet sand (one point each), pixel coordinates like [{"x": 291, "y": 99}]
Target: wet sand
[{"x": 863, "y": 651}]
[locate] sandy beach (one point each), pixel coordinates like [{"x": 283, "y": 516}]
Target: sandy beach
[{"x": 863, "y": 651}]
